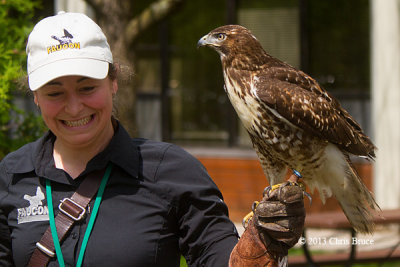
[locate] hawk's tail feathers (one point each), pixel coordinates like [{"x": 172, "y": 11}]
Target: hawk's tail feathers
[{"x": 337, "y": 176}]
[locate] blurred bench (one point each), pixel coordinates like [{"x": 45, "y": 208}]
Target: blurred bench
[{"x": 337, "y": 220}]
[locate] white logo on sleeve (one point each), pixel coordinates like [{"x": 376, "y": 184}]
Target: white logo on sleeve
[{"x": 36, "y": 211}]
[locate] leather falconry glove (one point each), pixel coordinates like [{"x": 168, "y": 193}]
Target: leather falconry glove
[{"x": 276, "y": 226}]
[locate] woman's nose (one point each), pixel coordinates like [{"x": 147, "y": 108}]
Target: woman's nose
[{"x": 73, "y": 105}]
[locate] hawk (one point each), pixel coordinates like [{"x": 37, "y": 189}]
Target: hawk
[{"x": 294, "y": 123}]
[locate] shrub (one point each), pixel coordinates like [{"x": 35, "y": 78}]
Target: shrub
[{"x": 16, "y": 126}]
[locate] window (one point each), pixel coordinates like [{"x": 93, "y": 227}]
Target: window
[{"x": 327, "y": 39}]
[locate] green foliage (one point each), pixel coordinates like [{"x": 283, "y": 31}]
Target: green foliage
[
  {"x": 15, "y": 25},
  {"x": 183, "y": 262}
]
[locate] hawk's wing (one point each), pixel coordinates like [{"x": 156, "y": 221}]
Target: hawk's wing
[{"x": 299, "y": 99}]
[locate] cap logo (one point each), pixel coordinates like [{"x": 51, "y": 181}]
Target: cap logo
[{"x": 65, "y": 43}]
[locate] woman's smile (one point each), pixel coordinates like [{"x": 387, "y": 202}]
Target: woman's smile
[{"x": 78, "y": 123}]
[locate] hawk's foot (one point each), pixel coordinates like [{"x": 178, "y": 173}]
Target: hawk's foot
[
  {"x": 250, "y": 215},
  {"x": 293, "y": 180}
]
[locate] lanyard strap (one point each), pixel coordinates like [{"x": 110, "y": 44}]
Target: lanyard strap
[
  {"x": 90, "y": 224},
  {"x": 71, "y": 210},
  {"x": 94, "y": 214}
]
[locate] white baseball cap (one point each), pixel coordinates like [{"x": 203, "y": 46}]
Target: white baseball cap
[{"x": 66, "y": 44}]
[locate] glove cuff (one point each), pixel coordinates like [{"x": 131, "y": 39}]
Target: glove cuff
[{"x": 251, "y": 251}]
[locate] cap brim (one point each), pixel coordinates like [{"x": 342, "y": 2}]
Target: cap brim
[{"x": 92, "y": 68}]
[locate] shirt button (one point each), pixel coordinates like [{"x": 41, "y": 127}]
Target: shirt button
[{"x": 74, "y": 235}]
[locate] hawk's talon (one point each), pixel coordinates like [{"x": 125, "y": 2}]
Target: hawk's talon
[
  {"x": 270, "y": 188},
  {"x": 275, "y": 186},
  {"x": 307, "y": 195},
  {"x": 250, "y": 215},
  {"x": 266, "y": 190},
  {"x": 246, "y": 219}
]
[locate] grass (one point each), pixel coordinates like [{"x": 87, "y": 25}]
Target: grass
[
  {"x": 387, "y": 264},
  {"x": 299, "y": 251},
  {"x": 296, "y": 251}
]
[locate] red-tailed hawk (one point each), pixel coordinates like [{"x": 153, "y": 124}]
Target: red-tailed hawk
[{"x": 294, "y": 123}]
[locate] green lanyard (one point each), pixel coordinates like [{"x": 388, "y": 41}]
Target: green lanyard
[{"x": 90, "y": 224}]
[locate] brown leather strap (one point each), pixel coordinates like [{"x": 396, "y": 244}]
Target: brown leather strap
[{"x": 71, "y": 210}]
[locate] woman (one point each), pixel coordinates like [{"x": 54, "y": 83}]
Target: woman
[{"x": 158, "y": 203}]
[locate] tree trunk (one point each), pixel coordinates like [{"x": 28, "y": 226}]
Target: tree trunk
[{"x": 116, "y": 19}]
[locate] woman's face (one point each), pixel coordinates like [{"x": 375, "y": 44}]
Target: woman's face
[{"x": 78, "y": 109}]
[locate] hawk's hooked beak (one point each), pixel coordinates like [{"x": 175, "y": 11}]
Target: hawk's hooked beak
[{"x": 203, "y": 41}]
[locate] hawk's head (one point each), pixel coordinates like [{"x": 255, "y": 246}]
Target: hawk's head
[{"x": 234, "y": 41}]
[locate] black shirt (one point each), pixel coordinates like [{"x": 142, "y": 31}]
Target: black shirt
[{"x": 159, "y": 203}]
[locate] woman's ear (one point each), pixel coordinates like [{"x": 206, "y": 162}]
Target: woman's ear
[
  {"x": 35, "y": 100},
  {"x": 114, "y": 84}
]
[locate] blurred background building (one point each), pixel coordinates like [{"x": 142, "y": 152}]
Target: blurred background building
[{"x": 351, "y": 47}]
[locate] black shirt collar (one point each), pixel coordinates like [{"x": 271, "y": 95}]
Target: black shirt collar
[{"x": 38, "y": 157}]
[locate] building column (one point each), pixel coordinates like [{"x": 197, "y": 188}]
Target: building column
[
  {"x": 385, "y": 75},
  {"x": 79, "y": 6}
]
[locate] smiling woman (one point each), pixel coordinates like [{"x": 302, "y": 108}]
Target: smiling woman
[{"x": 155, "y": 192}]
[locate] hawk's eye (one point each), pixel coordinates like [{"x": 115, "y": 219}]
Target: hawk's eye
[{"x": 221, "y": 36}]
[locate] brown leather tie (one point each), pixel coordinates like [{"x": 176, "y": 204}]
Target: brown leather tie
[{"x": 72, "y": 210}]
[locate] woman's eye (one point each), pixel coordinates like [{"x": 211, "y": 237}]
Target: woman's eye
[
  {"x": 87, "y": 89},
  {"x": 54, "y": 94}
]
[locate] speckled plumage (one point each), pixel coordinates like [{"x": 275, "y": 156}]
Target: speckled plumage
[{"x": 293, "y": 122}]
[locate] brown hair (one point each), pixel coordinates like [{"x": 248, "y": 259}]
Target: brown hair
[
  {"x": 123, "y": 73},
  {"x": 113, "y": 71}
]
